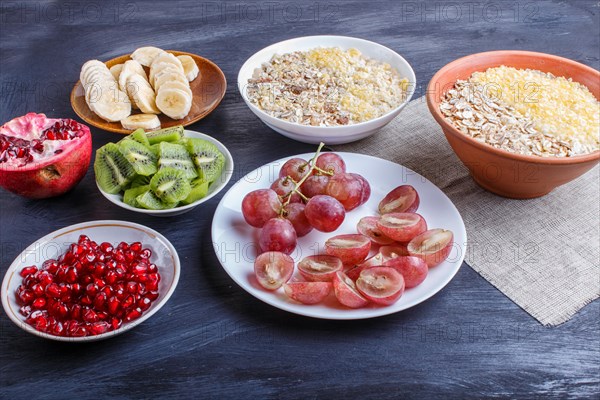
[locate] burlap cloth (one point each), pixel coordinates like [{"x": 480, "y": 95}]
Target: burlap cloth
[{"x": 544, "y": 254}]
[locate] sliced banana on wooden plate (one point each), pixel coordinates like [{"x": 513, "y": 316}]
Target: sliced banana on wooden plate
[{"x": 164, "y": 87}]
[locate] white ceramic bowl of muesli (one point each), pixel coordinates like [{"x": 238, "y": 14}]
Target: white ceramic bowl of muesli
[{"x": 298, "y": 97}]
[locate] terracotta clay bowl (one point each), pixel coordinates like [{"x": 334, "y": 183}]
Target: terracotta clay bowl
[
  {"x": 499, "y": 171},
  {"x": 208, "y": 90}
]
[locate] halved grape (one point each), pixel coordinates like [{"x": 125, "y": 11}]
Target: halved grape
[
  {"x": 346, "y": 293},
  {"x": 368, "y": 226},
  {"x": 259, "y": 206},
  {"x": 307, "y": 292},
  {"x": 393, "y": 251},
  {"x": 320, "y": 268},
  {"x": 278, "y": 234},
  {"x": 351, "y": 249},
  {"x": 324, "y": 213},
  {"x": 375, "y": 261},
  {"x": 381, "y": 285},
  {"x": 433, "y": 246},
  {"x": 402, "y": 199},
  {"x": 413, "y": 269},
  {"x": 402, "y": 227},
  {"x": 272, "y": 269}
]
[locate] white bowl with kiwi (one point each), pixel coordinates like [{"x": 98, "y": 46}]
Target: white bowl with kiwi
[{"x": 162, "y": 173}]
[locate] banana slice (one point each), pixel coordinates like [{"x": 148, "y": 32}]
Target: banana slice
[
  {"x": 168, "y": 76},
  {"x": 111, "y": 106},
  {"x": 168, "y": 58},
  {"x": 174, "y": 103},
  {"x": 145, "y": 55},
  {"x": 115, "y": 70},
  {"x": 87, "y": 65},
  {"x": 190, "y": 69},
  {"x": 131, "y": 67},
  {"x": 160, "y": 68},
  {"x": 142, "y": 94},
  {"x": 144, "y": 121},
  {"x": 173, "y": 84}
]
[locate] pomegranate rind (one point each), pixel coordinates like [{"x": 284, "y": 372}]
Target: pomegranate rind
[{"x": 50, "y": 176}]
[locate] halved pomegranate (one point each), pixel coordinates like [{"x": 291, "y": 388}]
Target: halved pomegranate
[{"x": 43, "y": 157}]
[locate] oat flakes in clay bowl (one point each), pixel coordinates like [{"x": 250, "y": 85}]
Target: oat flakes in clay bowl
[{"x": 501, "y": 172}]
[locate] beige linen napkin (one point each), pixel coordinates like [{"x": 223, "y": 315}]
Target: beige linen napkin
[{"x": 544, "y": 254}]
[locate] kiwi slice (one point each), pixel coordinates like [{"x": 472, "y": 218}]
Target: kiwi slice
[
  {"x": 130, "y": 194},
  {"x": 176, "y": 156},
  {"x": 150, "y": 201},
  {"x": 207, "y": 158},
  {"x": 199, "y": 190},
  {"x": 171, "y": 134},
  {"x": 142, "y": 159},
  {"x": 140, "y": 136},
  {"x": 113, "y": 171},
  {"x": 140, "y": 180},
  {"x": 170, "y": 185}
]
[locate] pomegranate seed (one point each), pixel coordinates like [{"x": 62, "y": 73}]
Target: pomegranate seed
[
  {"x": 123, "y": 246},
  {"x": 26, "y": 296},
  {"x": 76, "y": 312},
  {"x": 50, "y": 266},
  {"x": 53, "y": 290},
  {"x": 99, "y": 282},
  {"x": 136, "y": 247},
  {"x": 102, "y": 315},
  {"x": 45, "y": 278},
  {"x": 62, "y": 310},
  {"x": 91, "y": 289},
  {"x": 90, "y": 257},
  {"x": 106, "y": 247},
  {"x": 152, "y": 295},
  {"x": 87, "y": 279},
  {"x": 76, "y": 288},
  {"x": 98, "y": 328},
  {"x": 38, "y": 289},
  {"x": 111, "y": 277},
  {"x": 107, "y": 290},
  {"x": 25, "y": 310},
  {"x": 119, "y": 256},
  {"x": 115, "y": 323},
  {"x": 99, "y": 301},
  {"x": 132, "y": 287},
  {"x": 38, "y": 303},
  {"x": 133, "y": 314},
  {"x": 58, "y": 329},
  {"x": 99, "y": 269},
  {"x": 144, "y": 303},
  {"x": 90, "y": 315},
  {"x": 86, "y": 300},
  {"x": 28, "y": 271},
  {"x": 113, "y": 305},
  {"x": 128, "y": 302},
  {"x": 146, "y": 253},
  {"x": 152, "y": 268},
  {"x": 140, "y": 268},
  {"x": 41, "y": 323},
  {"x": 83, "y": 239},
  {"x": 71, "y": 275}
]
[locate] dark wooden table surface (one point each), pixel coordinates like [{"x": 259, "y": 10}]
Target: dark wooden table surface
[{"x": 212, "y": 339}]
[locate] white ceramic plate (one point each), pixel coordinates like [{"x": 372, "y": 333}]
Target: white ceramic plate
[
  {"x": 214, "y": 188},
  {"x": 330, "y": 134},
  {"x": 234, "y": 240},
  {"x": 52, "y": 245}
]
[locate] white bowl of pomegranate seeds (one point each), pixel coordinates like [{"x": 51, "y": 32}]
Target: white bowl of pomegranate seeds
[{"x": 90, "y": 281}]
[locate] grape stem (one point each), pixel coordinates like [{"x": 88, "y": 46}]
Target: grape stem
[{"x": 312, "y": 165}]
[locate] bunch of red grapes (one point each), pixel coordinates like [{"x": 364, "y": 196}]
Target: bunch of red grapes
[
  {"x": 316, "y": 194},
  {"x": 307, "y": 196}
]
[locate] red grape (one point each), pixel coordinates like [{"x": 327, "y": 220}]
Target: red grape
[
  {"x": 319, "y": 268},
  {"x": 346, "y": 293},
  {"x": 295, "y": 214},
  {"x": 278, "y": 234},
  {"x": 324, "y": 213},
  {"x": 314, "y": 185},
  {"x": 295, "y": 168},
  {"x": 347, "y": 189},
  {"x": 366, "y": 188},
  {"x": 259, "y": 206},
  {"x": 307, "y": 292},
  {"x": 331, "y": 162},
  {"x": 283, "y": 186},
  {"x": 368, "y": 226},
  {"x": 413, "y": 269}
]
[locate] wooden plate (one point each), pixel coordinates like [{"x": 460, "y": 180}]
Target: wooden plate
[{"x": 208, "y": 90}]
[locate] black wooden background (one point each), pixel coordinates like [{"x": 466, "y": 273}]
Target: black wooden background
[{"x": 212, "y": 339}]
